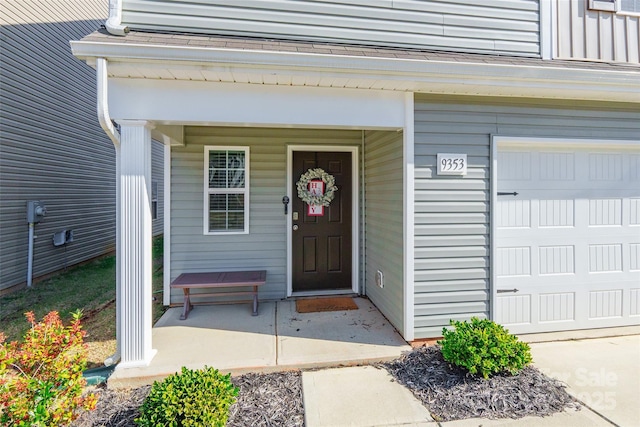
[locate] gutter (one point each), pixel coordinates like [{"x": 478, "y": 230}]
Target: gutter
[
  {"x": 106, "y": 124},
  {"x": 114, "y": 23}
]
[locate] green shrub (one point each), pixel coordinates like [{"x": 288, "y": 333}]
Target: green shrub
[
  {"x": 484, "y": 347},
  {"x": 189, "y": 398},
  {"x": 41, "y": 381}
]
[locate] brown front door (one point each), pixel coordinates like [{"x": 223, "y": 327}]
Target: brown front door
[{"x": 321, "y": 246}]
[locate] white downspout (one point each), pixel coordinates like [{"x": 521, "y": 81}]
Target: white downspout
[
  {"x": 106, "y": 123},
  {"x": 114, "y": 22}
]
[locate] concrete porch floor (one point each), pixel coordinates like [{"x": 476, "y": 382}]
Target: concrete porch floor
[{"x": 229, "y": 339}]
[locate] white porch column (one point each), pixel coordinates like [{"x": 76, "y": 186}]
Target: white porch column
[{"x": 134, "y": 252}]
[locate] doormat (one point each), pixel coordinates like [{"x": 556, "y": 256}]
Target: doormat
[{"x": 325, "y": 304}]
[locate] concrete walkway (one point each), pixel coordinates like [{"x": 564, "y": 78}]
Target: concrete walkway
[
  {"x": 603, "y": 373},
  {"x": 228, "y": 338}
]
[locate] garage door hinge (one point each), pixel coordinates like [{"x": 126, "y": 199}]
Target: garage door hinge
[
  {"x": 502, "y": 193},
  {"x": 504, "y": 291}
]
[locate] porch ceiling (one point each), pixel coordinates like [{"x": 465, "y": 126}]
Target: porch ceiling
[{"x": 265, "y": 62}]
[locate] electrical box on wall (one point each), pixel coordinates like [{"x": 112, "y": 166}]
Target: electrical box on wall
[
  {"x": 62, "y": 237},
  {"x": 58, "y": 238},
  {"x": 35, "y": 211}
]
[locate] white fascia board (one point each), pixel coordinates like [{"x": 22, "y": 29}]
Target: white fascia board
[
  {"x": 234, "y": 104},
  {"x": 450, "y": 77}
]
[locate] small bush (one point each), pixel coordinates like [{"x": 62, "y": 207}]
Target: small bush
[
  {"x": 189, "y": 398},
  {"x": 41, "y": 379},
  {"x": 484, "y": 347}
]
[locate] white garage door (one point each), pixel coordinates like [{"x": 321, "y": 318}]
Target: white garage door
[{"x": 567, "y": 247}]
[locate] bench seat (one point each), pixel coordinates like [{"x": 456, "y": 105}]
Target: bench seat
[{"x": 222, "y": 279}]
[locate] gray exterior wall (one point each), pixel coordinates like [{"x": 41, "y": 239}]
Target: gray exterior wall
[
  {"x": 596, "y": 35},
  {"x": 264, "y": 248},
  {"x": 492, "y": 26},
  {"x": 51, "y": 148},
  {"x": 452, "y": 214},
  {"x": 157, "y": 176},
  {"x": 383, "y": 225},
  {"x": 51, "y": 145}
]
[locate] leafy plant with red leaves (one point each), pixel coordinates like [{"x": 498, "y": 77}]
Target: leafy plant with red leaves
[{"x": 41, "y": 380}]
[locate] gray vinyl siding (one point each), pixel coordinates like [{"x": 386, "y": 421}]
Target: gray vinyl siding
[
  {"x": 492, "y": 26},
  {"x": 157, "y": 175},
  {"x": 384, "y": 243},
  {"x": 51, "y": 146},
  {"x": 596, "y": 35},
  {"x": 264, "y": 248},
  {"x": 452, "y": 269}
]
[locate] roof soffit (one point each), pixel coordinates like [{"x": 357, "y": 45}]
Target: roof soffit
[{"x": 462, "y": 74}]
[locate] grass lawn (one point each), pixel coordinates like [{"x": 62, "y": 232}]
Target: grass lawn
[{"x": 90, "y": 288}]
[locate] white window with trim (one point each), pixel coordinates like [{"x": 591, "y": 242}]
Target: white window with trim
[{"x": 226, "y": 190}]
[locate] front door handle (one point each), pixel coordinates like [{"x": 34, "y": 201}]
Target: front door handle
[{"x": 295, "y": 227}]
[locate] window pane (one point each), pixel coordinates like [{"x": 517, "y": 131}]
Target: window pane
[
  {"x": 236, "y": 220},
  {"x": 218, "y": 202},
  {"x": 217, "y": 178},
  {"x": 217, "y": 159},
  {"x": 217, "y": 221},
  {"x": 236, "y": 179},
  {"x": 236, "y": 160},
  {"x": 236, "y": 202}
]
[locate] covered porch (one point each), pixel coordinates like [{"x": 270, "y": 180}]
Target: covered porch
[{"x": 228, "y": 338}]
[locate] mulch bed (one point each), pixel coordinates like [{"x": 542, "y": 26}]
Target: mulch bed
[
  {"x": 268, "y": 400},
  {"x": 265, "y": 400},
  {"x": 275, "y": 399},
  {"x": 451, "y": 393}
]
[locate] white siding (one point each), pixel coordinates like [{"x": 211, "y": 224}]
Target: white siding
[
  {"x": 452, "y": 268},
  {"x": 493, "y": 26},
  {"x": 596, "y": 35}
]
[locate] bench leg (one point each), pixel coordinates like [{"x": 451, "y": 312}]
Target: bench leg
[
  {"x": 255, "y": 301},
  {"x": 187, "y": 304}
]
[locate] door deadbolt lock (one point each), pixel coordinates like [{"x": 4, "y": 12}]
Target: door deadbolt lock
[{"x": 295, "y": 228}]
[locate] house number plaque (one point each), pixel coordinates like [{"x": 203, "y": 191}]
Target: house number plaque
[{"x": 452, "y": 164}]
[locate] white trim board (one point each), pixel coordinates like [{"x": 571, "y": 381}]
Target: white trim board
[
  {"x": 409, "y": 218},
  {"x": 239, "y": 104},
  {"x": 166, "y": 294},
  {"x": 355, "y": 217}
]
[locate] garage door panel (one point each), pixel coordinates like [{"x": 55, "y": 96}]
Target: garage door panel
[
  {"x": 634, "y": 302},
  {"x": 634, "y": 257},
  {"x": 568, "y": 244},
  {"x": 605, "y": 304},
  {"x": 634, "y": 213},
  {"x": 557, "y": 307}
]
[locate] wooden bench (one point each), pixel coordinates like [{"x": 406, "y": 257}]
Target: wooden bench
[{"x": 225, "y": 279}]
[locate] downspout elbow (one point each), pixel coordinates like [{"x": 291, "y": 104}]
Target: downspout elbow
[
  {"x": 102, "y": 104},
  {"x": 114, "y": 23}
]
